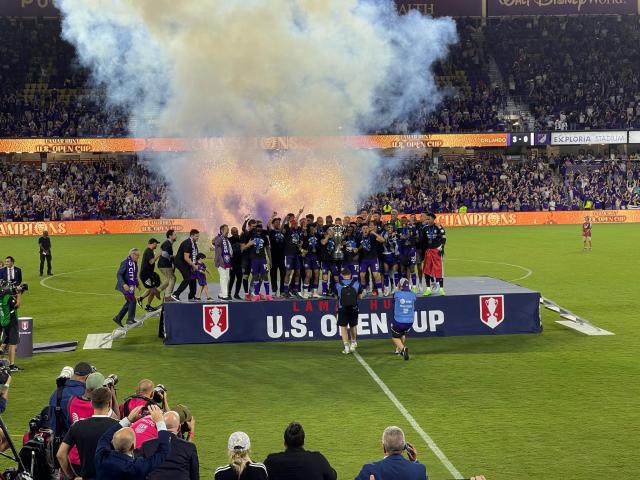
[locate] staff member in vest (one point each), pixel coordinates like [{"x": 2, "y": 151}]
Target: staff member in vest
[
  {"x": 223, "y": 253},
  {"x": 9, "y": 331},
  {"x": 185, "y": 261},
  {"x": 349, "y": 290},
  {"x": 127, "y": 284},
  {"x": 44, "y": 243},
  {"x": 403, "y": 313}
]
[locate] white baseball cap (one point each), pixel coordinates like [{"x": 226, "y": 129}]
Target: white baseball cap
[{"x": 239, "y": 441}]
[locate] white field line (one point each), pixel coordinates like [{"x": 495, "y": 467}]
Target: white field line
[
  {"x": 412, "y": 421},
  {"x": 528, "y": 271},
  {"x": 43, "y": 283}
]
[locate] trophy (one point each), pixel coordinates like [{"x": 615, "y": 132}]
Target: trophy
[{"x": 338, "y": 236}]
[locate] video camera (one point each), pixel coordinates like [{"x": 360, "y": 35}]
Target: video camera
[
  {"x": 11, "y": 288},
  {"x": 5, "y": 372}
]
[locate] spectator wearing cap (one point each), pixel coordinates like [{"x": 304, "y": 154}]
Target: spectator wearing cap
[
  {"x": 182, "y": 463},
  {"x": 240, "y": 466},
  {"x": 148, "y": 276},
  {"x": 394, "y": 466},
  {"x": 296, "y": 463},
  {"x": 83, "y": 435},
  {"x": 68, "y": 387}
]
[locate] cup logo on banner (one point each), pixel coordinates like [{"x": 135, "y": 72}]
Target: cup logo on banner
[
  {"x": 492, "y": 310},
  {"x": 24, "y": 325},
  {"x": 215, "y": 320}
]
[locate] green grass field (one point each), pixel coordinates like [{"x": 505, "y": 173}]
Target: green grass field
[{"x": 560, "y": 405}]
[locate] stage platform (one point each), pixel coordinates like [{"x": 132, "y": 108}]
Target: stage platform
[{"x": 472, "y": 306}]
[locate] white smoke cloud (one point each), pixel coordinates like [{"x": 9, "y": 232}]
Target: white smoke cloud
[{"x": 194, "y": 68}]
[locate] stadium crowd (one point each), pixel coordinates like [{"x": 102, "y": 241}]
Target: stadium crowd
[
  {"x": 93, "y": 435},
  {"x": 494, "y": 184},
  {"x": 595, "y": 90},
  {"x": 80, "y": 191},
  {"x": 45, "y": 93}
]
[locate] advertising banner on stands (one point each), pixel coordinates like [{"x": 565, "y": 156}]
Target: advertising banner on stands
[
  {"x": 442, "y": 8},
  {"x": 121, "y": 145},
  {"x": 98, "y": 227},
  {"x": 161, "y": 225},
  {"x": 589, "y": 138},
  {"x": 497, "y": 8},
  {"x": 634, "y": 136}
]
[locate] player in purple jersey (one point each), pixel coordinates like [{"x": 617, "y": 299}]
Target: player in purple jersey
[
  {"x": 391, "y": 258},
  {"x": 408, "y": 241},
  {"x": 350, "y": 247},
  {"x": 329, "y": 259},
  {"x": 310, "y": 251},
  {"x": 292, "y": 245},
  {"x": 368, "y": 249},
  {"x": 259, "y": 252}
]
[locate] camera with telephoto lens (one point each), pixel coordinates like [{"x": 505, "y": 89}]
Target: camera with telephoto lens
[
  {"x": 10, "y": 288},
  {"x": 159, "y": 393},
  {"x": 5, "y": 371},
  {"x": 111, "y": 381}
]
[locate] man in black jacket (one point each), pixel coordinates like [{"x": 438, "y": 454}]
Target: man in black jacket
[
  {"x": 182, "y": 462},
  {"x": 44, "y": 243},
  {"x": 296, "y": 463}
]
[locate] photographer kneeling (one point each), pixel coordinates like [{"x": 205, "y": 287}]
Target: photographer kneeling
[{"x": 10, "y": 298}]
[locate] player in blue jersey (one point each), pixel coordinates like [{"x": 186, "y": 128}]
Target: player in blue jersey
[
  {"x": 310, "y": 252},
  {"x": 391, "y": 258},
  {"x": 368, "y": 249}
]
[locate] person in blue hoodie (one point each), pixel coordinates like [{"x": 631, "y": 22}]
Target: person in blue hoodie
[{"x": 403, "y": 314}]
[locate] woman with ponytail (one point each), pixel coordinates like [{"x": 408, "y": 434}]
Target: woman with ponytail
[{"x": 240, "y": 466}]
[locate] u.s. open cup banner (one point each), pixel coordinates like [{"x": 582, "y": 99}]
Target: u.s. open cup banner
[{"x": 491, "y": 314}]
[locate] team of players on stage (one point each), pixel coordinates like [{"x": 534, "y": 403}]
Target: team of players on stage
[{"x": 309, "y": 253}]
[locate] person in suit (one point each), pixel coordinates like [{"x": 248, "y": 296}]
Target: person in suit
[
  {"x": 44, "y": 243},
  {"x": 10, "y": 272},
  {"x": 118, "y": 463},
  {"x": 127, "y": 282},
  {"x": 182, "y": 463},
  {"x": 296, "y": 463},
  {"x": 394, "y": 466}
]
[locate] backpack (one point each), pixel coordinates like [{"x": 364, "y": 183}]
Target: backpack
[
  {"x": 38, "y": 455},
  {"x": 349, "y": 295}
]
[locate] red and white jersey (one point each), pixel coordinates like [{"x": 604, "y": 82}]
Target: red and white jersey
[{"x": 586, "y": 229}]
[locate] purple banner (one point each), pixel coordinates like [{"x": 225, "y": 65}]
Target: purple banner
[
  {"x": 28, "y": 8},
  {"x": 496, "y": 8},
  {"x": 442, "y": 8}
]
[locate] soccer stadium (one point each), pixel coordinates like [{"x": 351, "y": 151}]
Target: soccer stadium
[{"x": 319, "y": 239}]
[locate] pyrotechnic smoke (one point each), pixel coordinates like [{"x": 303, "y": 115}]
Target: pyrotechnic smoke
[{"x": 206, "y": 68}]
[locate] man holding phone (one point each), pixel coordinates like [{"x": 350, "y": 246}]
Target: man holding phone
[{"x": 395, "y": 466}]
